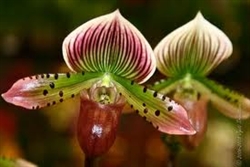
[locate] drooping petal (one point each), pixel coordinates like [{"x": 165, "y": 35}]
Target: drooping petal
[
  {"x": 97, "y": 124},
  {"x": 163, "y": 86},
  {"x": 185, "y": 93},
  {"x": 164, "y": 114},
  {"x": 110, "y": 43},
  {"x": 48, "y": 89},
  {"x": 225, "y": 100},
  {"x": 196, "y": 107},
  {"x": 196, "y": 47}
]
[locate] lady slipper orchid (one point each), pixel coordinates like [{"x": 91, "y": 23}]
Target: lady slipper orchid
[
  {"x": 109, "y": 58},
  {"x": 186, "y": 56}
]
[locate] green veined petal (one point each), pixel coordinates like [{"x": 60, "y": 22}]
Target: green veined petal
[
  {"x": 110, "y": 43},
  {"x": 226, "y": 101},
  {"x": 167, "y": 86},
  {"x": 166, "y": 115},
  {"x": 196, "y": 47},
  {"x": 48, "y": 89}
]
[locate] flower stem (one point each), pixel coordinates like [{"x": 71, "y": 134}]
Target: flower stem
[
  {"x": 172, "y": 160},
  {"x": 174, "y": 148},
  {"x": 90, "y": 162}
]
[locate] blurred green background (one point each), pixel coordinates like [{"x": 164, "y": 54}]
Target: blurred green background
[{"x": 31, "y": 34}]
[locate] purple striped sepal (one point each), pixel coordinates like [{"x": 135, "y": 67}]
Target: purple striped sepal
[{"x": 111, "y": 44}]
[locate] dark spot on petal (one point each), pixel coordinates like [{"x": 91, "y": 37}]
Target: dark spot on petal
[
  {"x": 144, "y": 105},
  {"x": 42, "y": 75},
  {"x": 30, "y": 77},
  {"x": 33, "y": 107},
  {"x": 155, "y": 94},
  {"x": 52, "y": 85},
  {"x": 45, "y": 92},
  {"x": 163, "y": 98},
  {"x": 170, "y": 108},
  {"x": 198, "y": 96},
  {"x": 144, "y": 117},
  {"x": 228, "y": 98},
  {"x": 54, "y": 102},
  {"x": 132, "y": 82},
  {"x": 37, "y": 107},
  {"x": 48, "y": 104},
  {"x": 47, "y": 75},
  {"x": 131, "y": 106},
  {"x": 68, "y": 75},
  {"x": 83, "y": 73},
  {"x": 56, "y": 76},
  {"x": 145, "y": 110},
  {"x": 157, "y": 127},
  {"x": 157, "y": 112},
  {"x": 36, "y": 76},
  {"x": 236, "y": 101},
  {"x": 145, "y": 89},
  {"x": 73, "y": 95},
  {"x": 137, "y": 111},
  {"x": 61, "y": 100},
  {"x": 61, "y": 93}
]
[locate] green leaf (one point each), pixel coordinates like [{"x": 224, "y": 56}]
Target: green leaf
[
  {"x": 228, "y": 102},
  {"x": 7, "y": 162},
  {"x": 44, "y": 90},
  {"x": 4, "y": 162},
  {"x": 164, "y": 114}
]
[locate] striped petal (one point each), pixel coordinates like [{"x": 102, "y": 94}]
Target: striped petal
[
  {"x": 111, "y": 44},
  {"x": 163, "y": 113},
  {"x": 48, "y": 89},
  {"x": 197, "y": 48},
  {"x": 226, "y": 101}
]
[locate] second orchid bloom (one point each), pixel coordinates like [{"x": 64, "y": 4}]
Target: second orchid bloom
[
  {"x": 109, "y": 58},
  {"x": 186, "y": 56}
]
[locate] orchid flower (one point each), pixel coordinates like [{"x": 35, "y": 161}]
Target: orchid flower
[
  {"x": 187, "y": 55},
  {"x": 109, "y": 58}
]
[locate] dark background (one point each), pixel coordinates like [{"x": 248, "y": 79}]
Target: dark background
[{"x": 31, "y": 34}]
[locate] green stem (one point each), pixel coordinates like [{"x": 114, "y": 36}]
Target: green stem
[
  {"x": 174, "y": 148},
  {"x": 91, "y": 162},
  {"x": 172, "y": 160}
]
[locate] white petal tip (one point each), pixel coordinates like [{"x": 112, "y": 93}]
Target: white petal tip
[
  {"x": 117, "y": 11},
  {"x": 199, "y": 15}
]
